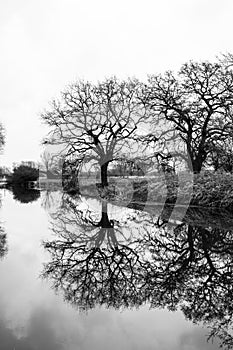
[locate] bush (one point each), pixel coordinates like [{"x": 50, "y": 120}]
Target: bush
[
  {"x": 24, "y": 195},
  {"x": 23, "y": 174}
]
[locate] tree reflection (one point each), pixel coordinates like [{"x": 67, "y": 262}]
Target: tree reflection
[
  {"x": 191, "y": 268},
  {"x": 93, "y": 260},
  {"x": 100, "y": 261},
  {"x": 3, "y": 243},
  {"x": 25, "y": 195},
  {"x": 3, "y": 239}
]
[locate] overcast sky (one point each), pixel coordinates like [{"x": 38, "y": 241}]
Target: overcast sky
[{"x": 47, "y": 44}]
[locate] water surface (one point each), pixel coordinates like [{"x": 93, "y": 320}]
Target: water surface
[{"x": 34, "y": 315}]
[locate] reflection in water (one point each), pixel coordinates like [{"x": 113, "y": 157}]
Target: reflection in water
[
  {"x": 3, "y": 243},
  {"x": 191, "y": 268},
  {"x": 96, "y": 260},
  {"x": 25, "y": 195},
  {"x": 92, "y": 259},
  {"x": 40, "y": 335},
  {"x": 48, "y": 200},
  {"x": 3, "y": 240}
]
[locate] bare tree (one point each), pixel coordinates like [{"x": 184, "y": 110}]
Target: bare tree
[
  {"x": 47, "y": 160},
  {"x": 97, "y": 122},
  {"x": 197, "y": 103}
]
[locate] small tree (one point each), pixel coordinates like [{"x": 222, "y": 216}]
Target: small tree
[{"x": 97, "y": 122}]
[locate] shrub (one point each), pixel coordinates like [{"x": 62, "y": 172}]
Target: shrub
[{"x": 23, "y": 174}]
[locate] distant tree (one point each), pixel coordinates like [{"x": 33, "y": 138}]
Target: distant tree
[
  {"x": 196, "y": 104},
  {"x": 97, "y": 122},
  {"x": 129, "y": 167},
  {"x": 51, "y": 164},
  {"x": 22, "y": 174},
  {"x": 47, "y": 161},
  {"x": 4, "y": 171}
]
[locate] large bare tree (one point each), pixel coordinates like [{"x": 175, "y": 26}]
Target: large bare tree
[
  {"x": 96, "y": 122},
  {"x": 197, "y": 102}
]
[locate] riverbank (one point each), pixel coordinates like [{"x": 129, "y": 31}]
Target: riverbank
[{"x": 208, "y": 189}]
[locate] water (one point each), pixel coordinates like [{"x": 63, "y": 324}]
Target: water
[{"x": 81, "y": 274}]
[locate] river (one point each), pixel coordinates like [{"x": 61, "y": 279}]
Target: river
[{"x": 84, "y": 274}]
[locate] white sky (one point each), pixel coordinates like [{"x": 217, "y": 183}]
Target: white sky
[{"x": 47, "y": 44}]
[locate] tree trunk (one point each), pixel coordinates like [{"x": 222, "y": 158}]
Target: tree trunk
[
  {"x": 197, "y": 166},
  {"x": 104, "y": 174}
]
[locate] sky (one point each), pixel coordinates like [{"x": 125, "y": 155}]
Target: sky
[{"x": 48, "y": 44}]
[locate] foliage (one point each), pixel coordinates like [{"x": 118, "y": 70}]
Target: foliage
[
  {"x": 221, "y": 156},
  {"x": 208, "y": 189},
  {"x": 22, "y": 174},
  {"x": 213, "y": 189},
  {"x": 25, "y": 195}
]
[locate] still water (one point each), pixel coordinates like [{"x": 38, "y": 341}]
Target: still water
[{"x": 81, "y": 274}]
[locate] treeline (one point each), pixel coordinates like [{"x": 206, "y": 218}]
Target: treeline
[
  {"x": 174, "y": 120},
  {"x": 182, "y": 119}
]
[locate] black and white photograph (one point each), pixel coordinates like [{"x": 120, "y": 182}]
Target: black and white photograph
[{"x": 116, "y": 175}]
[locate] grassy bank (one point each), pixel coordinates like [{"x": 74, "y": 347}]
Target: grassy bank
[
  {"x": 213, "y": 190},
  {"x": 208, "y": 189}
]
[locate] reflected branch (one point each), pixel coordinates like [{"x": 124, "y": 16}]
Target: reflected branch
[{"x": 91, "y": 263}]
